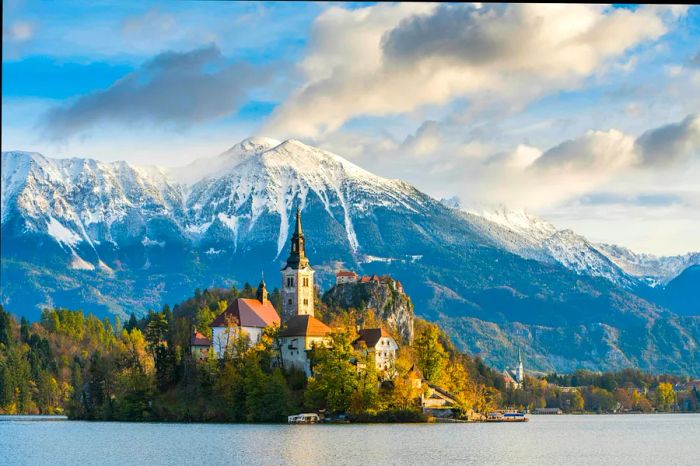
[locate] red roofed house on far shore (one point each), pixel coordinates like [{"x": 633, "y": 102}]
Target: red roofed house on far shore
[{"x": 249, "y": 316}]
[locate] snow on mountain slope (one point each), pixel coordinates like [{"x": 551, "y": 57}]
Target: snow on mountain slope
[
  {"x": 655, "y": 270},
  {"x": 77, "y": 201},
  {"x": 222, "y": 163},
  {"x": 83, "y": 203},
  {"x": 271, "y": 180},
  {"x": 82, "y": 200},
  {"x": 532, "y": 237}
]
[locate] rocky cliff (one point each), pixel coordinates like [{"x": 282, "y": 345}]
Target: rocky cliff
[{"x": 385, "y": 295}]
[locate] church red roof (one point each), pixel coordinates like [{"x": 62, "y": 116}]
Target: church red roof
[
  {"x": 304, "y": 326},
  {"x": 345, "y": 273},
  {"x": 248, "y": 313}
]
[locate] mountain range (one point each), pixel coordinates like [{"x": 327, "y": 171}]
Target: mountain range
[{"x": 116, "y": 238}]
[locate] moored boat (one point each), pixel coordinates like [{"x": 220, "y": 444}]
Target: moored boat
[
  {"x": 304, "y": 418},
  {"x": 506, "y": 416}
]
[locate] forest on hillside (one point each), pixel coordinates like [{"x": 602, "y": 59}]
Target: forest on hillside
[{"x": 73, "y": 363}]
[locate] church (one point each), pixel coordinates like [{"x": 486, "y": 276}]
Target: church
[
  {"x": 243, "y": 316},
  {"x": 301, "y": 330},
  {"x": 514, "y": 378}
]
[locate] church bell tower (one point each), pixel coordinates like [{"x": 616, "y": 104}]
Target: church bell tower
[
  {"x": 297, "y": 278},
  {"x": 521, "y": 371}
]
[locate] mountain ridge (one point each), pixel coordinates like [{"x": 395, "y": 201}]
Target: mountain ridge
[{"x": 124, "y": 238}]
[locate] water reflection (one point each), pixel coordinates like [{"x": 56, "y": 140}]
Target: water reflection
[{"x": 641, "y": 439}]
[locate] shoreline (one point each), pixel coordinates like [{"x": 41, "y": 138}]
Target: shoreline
[{"x": 64, "y": 418}]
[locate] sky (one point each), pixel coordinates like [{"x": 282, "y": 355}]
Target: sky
[{"x": 587, "y": 115}]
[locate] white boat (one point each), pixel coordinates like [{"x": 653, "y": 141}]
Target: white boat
[{"x": 304, "y": 418}]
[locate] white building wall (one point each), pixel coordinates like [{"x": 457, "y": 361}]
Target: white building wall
[
  {"x": 224, "y": 336},
  {"x": 385, "y": 353},
  {"x": 342, "y": 279},
  {"x": 297, "y": 355}
]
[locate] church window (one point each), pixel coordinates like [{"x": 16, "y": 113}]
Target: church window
[
  {"x": 290, "y": 281},
  {"x": 306, "y": 301},
  {"x": 289, "y": 301}
]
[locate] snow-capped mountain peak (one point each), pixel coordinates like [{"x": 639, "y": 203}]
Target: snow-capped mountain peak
[
  {"x": 82, "y": 203},
  {"x": 222, "y": 163},
  {"x": 533, "y": 237}
]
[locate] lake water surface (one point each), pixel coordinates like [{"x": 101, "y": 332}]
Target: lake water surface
[{"x": 552, "y": 440}]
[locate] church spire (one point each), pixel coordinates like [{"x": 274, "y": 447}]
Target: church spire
[
  {"x": 521, "y": 370},
  {"x": 297, "y": 257},
  {"x": 262, "y": 293},
  {"x": 298, "y": 231}
]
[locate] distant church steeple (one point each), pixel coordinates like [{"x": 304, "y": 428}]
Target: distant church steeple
[{"x": 521, "y": 372}]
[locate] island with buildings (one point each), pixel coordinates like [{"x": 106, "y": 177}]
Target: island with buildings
[{"x": 353, "y": 353}]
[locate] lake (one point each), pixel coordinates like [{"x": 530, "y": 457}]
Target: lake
[{"x": 612, "y": 439}]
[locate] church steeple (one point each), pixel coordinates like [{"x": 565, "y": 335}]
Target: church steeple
[
  {"x": 297, "y": 278},
  {"x": 521, "y": 371},
  {"x": 262, "y": 294},
  {"x": 297, "y": 257}
]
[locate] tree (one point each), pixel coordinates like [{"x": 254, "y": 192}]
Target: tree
[
  {"x": 334, "y": 377},
  {"x": 665, "y": 396},
  {"x": 156, "y": 333},
  {"x": 132, "y": 323},
  {"x": 365, "y": 398},
  {"x": 276, "y": 399},
  {"x": 5, "y": 328},
  {"x": 640, "y": 402},
  {"x": 432, "y": 356},
  {"x": 577, "y": 404},
  {"x": 24, "y": 330}
]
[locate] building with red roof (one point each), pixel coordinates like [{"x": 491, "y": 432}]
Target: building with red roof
[
  {"x": 300, "y": 335},
  {"x": 199, "y": 345},
  {"x": 345, "y": 276},
  {"x": 244, "y": 316}
]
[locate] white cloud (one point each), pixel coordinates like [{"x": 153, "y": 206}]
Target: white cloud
[
  {"x": 660, "y": 157},
  {"x": 393, "y": 59}
]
